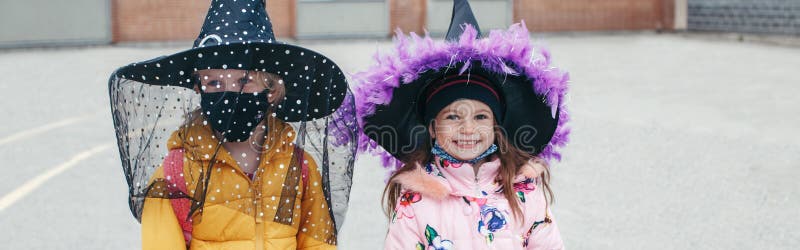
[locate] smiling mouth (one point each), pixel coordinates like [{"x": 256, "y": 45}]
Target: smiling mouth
[{"x": 466, "y": 143}]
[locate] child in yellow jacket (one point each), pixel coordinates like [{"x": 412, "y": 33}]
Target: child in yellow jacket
[{"x": 238, "y": 143}]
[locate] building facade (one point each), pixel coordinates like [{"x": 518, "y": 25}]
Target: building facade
[
  {"x": 38, "y": 22},
  {"x": 157, "y": 20}
]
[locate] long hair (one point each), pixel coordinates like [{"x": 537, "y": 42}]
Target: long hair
[
  {"x": 392, "y": 190},
  {"x": 512, "y": 160}
]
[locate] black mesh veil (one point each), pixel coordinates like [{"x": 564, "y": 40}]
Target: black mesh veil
[{"x": 299, "y": 156}]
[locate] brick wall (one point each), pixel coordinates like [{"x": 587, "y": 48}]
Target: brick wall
[
  {"x": 751, "y": 16},
  {"x": 284, "y": 15},
  {"x": 564, "y": 15},
  {"x": 408, "y": 15},
  {"x": 165, "y": 20}
]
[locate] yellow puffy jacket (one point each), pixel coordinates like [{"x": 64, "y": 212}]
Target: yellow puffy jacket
[{"x": 223, "y": 223}]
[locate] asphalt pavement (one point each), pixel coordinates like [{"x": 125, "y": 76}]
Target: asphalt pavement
[{"x": 678, "y": 142}]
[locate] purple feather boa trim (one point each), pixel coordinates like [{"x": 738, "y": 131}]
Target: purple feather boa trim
[{"x": 509, "y": 52}]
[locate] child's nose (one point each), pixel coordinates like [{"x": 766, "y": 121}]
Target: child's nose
[
  {"x": 468, "y": 127},
  {"x": 232, "y": 85}
]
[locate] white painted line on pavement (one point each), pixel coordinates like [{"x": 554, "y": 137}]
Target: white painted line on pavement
[
  {"x": 45, "y": 128},
  {"x": 34, "y": 183}
]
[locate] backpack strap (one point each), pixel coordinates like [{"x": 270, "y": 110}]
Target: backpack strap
[
  {"x": 303, "y": 168},
  {"x": 173, "y": 172}
]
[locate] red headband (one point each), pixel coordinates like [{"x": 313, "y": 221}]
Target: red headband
[{"x": 480, "y": 82}]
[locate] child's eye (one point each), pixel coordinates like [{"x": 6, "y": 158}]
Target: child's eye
[
  {"x": 215, "y": 84},
  {"x": 451, "y": 117},
  {"x": 481, "y": 117}
]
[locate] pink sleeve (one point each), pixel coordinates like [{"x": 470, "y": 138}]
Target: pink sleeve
[
  {"x": 545, "y": 235},
  {"x": 542, "y": 233},
  {"x": 404, "y": 232}
]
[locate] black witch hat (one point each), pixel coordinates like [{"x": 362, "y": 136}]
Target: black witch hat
[
  {"x": 238, "y": 35},
  {"x": 462, "y": 14},
  {"x": 531, "y": 91}
]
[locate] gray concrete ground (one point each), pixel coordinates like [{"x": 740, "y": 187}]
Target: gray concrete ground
[{"x": 678, "y": 142}]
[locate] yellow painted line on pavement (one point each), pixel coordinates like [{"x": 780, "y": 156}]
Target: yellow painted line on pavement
[{"x": 31, "y": 185}]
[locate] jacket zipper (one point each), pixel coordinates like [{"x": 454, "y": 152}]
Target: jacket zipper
[
  {"x": 477, "y": 184},
  {"x": 259, "y": 218}
]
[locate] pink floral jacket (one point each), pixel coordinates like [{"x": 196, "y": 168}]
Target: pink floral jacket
[{"x": 446, "y": 206}]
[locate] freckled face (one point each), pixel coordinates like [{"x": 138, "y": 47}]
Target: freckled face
[{"x": 464, "y": 129}]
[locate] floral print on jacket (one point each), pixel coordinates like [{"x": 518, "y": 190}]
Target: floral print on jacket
[{"x": 474, "y": 215}]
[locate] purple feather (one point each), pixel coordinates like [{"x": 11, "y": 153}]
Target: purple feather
[{"x": 413, "y": 55}]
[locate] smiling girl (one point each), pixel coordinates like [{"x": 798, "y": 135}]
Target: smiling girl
[
  {"x": 466, "y": 127},
  {"x": 470, "y": 188}
]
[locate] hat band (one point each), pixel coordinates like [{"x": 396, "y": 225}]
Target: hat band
[
  {"x": 462, "y": 81},
  {"x": 472, "y": 88}
]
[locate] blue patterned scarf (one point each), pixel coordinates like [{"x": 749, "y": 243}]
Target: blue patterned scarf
[{"x": 438, "y": 151}]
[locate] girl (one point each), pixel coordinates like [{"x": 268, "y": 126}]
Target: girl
[
  {"x": 257, "y": 135},
  {"x": 471, "y": 123}
]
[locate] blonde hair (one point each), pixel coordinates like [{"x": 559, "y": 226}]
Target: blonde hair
[{"x": 272, "y": 82}]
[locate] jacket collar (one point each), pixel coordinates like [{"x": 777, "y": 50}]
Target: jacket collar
[
  {"x": 463, "y": 179},
  {"x": 200, "y": 143},
  {"x": 440, "y": 179}
]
